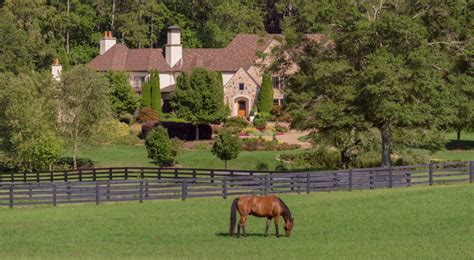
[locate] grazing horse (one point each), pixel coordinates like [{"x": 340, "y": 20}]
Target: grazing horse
[{"x": 264, "y": 207}]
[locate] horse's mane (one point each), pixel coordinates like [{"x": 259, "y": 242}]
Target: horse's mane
[{"x": 287, "y": 212}]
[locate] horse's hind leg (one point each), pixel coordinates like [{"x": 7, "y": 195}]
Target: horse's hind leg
[
  {"x": 269, "y": 221},
  {"x": 242, "y": 221}
]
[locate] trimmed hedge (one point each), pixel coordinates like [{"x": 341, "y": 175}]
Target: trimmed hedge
[{"x": 182, "y": 131}]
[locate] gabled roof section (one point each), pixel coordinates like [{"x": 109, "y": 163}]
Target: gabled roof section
[{"x": 241, "y": 52}]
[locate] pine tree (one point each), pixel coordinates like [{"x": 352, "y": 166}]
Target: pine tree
[
  {"x": 265, "y": 96},
  {"x": 154, "y": 82}
]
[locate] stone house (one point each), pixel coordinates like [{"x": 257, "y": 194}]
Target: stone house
[{"x": 241, "y": 63}]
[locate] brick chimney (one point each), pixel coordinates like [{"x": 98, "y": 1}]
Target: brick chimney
[
  {"x": 56, "y": 69},
  {"x": 173, "y": 48},
  {"x": 107, "y": 42}
]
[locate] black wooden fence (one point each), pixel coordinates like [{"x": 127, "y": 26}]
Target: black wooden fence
[{"x": 141, "y": 184}]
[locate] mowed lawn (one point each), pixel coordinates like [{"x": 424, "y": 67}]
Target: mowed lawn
[
  {"x": 416, "y": 222},
  {"x": 122, "y": 155}
]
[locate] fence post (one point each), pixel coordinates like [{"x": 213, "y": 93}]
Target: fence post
[
  {"x": 158, "y": 177},
  {"x": 430, "y": 174},
  {"x": 37, "y": 177},
  {"x": 126, "y": 173},
  {"x": 54, "y": 194},
  {"x": 141, "y": 173},
  {"x": 51, "y": 176},
  {"x": 97, "y": 194},
  {"x": 308, "y": 183},
  {"x": 108, "y": 190},
  {"x": 471, "y": 171},
  {"x": 371, "y": 180},
  {"x": 184, "y": 190},
  {"x": 65, "y": 176},
  {"x": 68, "y": 191},
  {"x": 11, "y": 196},
  {"x": 390, "y": 177},
  {"x": 224, "y": 188},
  {"x": 212, "y": 176},
  {"x": 298, "y": 184},
  {"x": 30, "y": 190},
  {"x": 140, "y": 195},
  {"x": 350, "y": 179},
  {"x": 110, "y": 173},
  {"x": 93, "y": 174},
  {"x": 176, "y": 173},
  {"x": 80, "y": 175},
  {"x": 265, "y": 182},
  {"x": 24, "y": 176},
  {"x": 408, "y": 174},
  {"x": 334, "y": 181}
]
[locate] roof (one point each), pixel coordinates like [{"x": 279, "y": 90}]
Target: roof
[{"x": 241, "y": 52}]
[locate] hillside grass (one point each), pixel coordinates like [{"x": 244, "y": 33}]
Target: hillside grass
[{"x": 406, "y": 223}]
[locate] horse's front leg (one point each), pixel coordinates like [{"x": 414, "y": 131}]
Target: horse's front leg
[
  {"x": 277, "y": 221},
  {"x": 269, "y": 221}
]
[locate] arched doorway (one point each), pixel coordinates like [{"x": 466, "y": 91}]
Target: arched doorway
[{"x": 242, "y": 108}]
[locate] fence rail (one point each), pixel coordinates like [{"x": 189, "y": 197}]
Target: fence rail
[{"x": 141, "y": 184}]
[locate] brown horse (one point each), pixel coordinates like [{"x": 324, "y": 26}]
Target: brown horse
[{"x": 264, "y": 207}]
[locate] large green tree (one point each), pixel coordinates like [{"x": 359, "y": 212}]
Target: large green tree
[
  {"x": 155, "y": 91},
  {"x": 28, "y": 120},
  {"x": 123, "y": 98},
  {"x": 199, "y": 98},
  {"x": 84, "y": 99},
  {"x": 265, "y": 95}
]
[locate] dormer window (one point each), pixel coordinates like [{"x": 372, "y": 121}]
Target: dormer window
[{"x": 241, "y": 86}]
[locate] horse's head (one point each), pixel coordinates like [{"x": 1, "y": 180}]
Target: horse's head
[{"x": 288, "y": 226}]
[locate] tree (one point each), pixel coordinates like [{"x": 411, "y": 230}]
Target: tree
[
  {"x": 155, "y": 91},
  {"x": 83, "y": 97},
  {"x": 28, "y": 120},
  {"x": 199, "y": 98},
  {"x": 265, "y": 95},
  {"x": 160, "y": 148},
  {"x": 226, "y": 146},
  {"x": 123, "y": 99}
]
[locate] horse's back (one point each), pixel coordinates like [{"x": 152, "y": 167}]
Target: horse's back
[{"x": 262, "y": 206}]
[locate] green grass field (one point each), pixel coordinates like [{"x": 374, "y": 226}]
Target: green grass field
[
  {"x": 406, "y": 223},
  {"x": 121, "y": 155}
]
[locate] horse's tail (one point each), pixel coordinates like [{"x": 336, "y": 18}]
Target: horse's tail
[{"x": 233, "y": 216}]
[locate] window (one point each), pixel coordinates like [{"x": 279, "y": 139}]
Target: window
[
  {"x": 138, "y": 83},
  {"x": 278, "y": 82},
  {"x": 276, "y": 102},
  {"x": 241, "y": 86}
]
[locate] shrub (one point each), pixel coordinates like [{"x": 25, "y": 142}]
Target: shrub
[
  {"x": 147, "y": 114},
  {"x": 226, "y": 147},
  {"x": 236, "y": 122},
  {"x": 281, "y": 129},
  {"x": 261, "y": 166},
  {"x": 109, "y": 131},
  {"x": 182, "y": 131},
  {"x": 265, "y": 95},
  {"x": 264, "y": 115},
  {"x": 260, "y": 123},
  {"x": 67, "y": 163},
  {"x": 202, "y": 147},
  {"x": 260, "y": 144},
  {"x": 277, "y": 110},
  {"x": 160, "y": 148},
  {"x": 127, "y": 118}
]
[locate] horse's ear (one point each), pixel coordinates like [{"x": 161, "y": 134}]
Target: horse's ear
[{"x": 292, "y": 219}]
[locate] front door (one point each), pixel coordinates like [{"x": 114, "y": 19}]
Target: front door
[{"x": 242, "y": 109}]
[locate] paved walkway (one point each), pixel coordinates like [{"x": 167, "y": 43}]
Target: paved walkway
[{"x": 292, "y": 138}]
